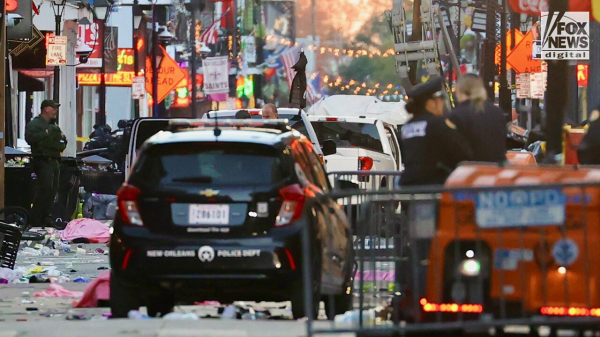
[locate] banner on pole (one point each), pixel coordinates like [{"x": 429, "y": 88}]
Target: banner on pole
[{"x": 216, "y": 75}]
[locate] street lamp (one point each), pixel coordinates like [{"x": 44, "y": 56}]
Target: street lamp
[
  {"x": 58, "y": 7},
  {"x": 101, "y": 10},
  {"x": 138, "y": 15}
]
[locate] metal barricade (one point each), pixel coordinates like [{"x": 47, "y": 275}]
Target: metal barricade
[{"x": 441, "y": 260}]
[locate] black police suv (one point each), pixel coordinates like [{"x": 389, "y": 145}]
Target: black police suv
[{"x": 217, "y": 215}]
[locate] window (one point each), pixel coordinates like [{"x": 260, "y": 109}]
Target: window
[
  {"x": 345, "y": 134},
  {"x": 316, "y": 167},
  {"x": 210, "y": 164},
  {"x": 393, "y": 144}
]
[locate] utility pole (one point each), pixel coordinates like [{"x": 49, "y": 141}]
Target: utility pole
[
  {"x": 556, "y": 100},
  {"x": 193, "y": 58},
  {"x": 136, "y": 62},
  {"x": 101, "y": 117},
  {"x": 155, "y": 112},
  {"x": 2, "y": 99},
  {"x": 505, "y": 102}
]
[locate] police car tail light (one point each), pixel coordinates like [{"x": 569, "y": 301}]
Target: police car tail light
[
  {"x": 291, "y": 208},
  {"x": 365, "y": 163},
  {"x": 127, "y": 197}
]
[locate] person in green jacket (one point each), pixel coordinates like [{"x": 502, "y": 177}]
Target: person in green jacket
[{"x": 47, "y": 142}]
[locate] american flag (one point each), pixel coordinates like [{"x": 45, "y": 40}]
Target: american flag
[
  {"x": 211, "y": 34},
  {"x": 290, "y": 57}
]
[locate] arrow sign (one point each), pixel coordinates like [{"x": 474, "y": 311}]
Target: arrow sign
[
  {"x": 169, "y": 75},
  {"x": 521, "y": 57}
]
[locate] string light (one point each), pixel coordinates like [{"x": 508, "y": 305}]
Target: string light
[{"x": 336, "y": 51}]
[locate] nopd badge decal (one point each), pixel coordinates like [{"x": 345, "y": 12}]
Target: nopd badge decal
[{"x": 206, "y": 254}]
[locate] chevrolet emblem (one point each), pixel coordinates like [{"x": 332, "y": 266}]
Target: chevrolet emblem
[{"x": 209, "y": 193}]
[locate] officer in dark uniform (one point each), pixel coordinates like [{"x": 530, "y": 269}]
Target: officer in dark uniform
[
  {"x": 47, "y": 142},
  {"x": 431, "y": 147},
  {"x": 588, "y": 151}
]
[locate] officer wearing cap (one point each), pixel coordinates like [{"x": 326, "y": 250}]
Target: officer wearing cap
[
  {"x": 431, "y": 147},
  {"x": 588, "y": 152},
  {"x": 47, "y": 142}
]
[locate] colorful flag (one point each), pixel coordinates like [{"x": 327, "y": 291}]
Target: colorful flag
[{"x": 211, "y": 34}]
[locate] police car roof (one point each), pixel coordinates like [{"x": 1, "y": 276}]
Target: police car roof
[{"x": 229, "y": 135}]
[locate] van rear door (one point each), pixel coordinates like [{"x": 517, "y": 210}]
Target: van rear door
[{"x": 141, "y": 130}]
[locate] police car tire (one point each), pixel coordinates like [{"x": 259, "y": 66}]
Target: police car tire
[
  {"x": 160, "y": 304},
  {"x": 123, "y": 297},
  {"x": 297, "y": 286}
]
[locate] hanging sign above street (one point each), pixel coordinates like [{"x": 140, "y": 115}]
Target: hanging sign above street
[
  {"x": 531, "y": 7},
  {"x": 521, "y": 58},
  {"x": 169, "y": 75},
  {"x": 216, "y": 75}
]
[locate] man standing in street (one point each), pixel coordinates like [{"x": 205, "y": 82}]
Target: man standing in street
[
  {"x": 47, "y": 142},
  {"x": 270, "y": 112}
]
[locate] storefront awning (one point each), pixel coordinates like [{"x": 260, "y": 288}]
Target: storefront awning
[{"x": 29, "y": 84}]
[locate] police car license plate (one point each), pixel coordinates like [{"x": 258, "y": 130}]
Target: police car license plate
[{"x": 208, "y": 214}]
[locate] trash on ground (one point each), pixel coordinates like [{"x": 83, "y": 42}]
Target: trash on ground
[
  {"x": 181, "y": 316},
  {"x": 55, "y": 290},
  {"x": 99, "y": 289}
]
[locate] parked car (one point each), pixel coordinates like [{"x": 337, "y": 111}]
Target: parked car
[
  {"x": 297, "y": 119},
  {"x": 218, "y": 215},
  {"x": 363, "y": 144}
]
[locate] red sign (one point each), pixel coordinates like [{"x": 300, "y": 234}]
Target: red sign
[
  {"x": 521, "y": 57},
  {"x": 92, "y": 36},
  {"x": 119, "y": 79},
  {"x": 582, "y": 75},
  {"x": 169, "y": 75},
  {"x": 11, "y": 5},
  {"x": 535, "y": 7}
]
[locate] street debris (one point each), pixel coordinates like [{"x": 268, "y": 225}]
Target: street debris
[
  {"x": 55, "y": 290},
  {"x": 98, "y": 290}
]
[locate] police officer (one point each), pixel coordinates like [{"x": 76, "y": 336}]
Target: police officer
[
  {"x": 47, "y": 142},
  {"x": 588, "y": 151},
  {"x": 430, "y": 144}
]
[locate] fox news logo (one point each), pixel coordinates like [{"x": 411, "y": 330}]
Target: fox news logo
[{"x": 565, "y": 35}]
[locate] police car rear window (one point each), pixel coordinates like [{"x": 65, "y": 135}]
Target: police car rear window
[
  {"x": 210, "y": 164},
  {"x": 346, "y": 134}
]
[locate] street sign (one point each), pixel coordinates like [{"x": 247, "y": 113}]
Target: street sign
[
  {"x": 500, "y": 209},
  {"x": 521, "y": 57},
  {"x": 138, "y": 90},
  {"x": 523, "y": 85},
  {"x": 537, "y": 85},
  {"x": 169, "y": 75},
  {"x": 537, "y": 50},
  {"x": 498, "y": 51},
  {"x": 56, "y": 54}
]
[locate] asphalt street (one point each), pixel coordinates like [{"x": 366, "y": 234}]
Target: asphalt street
[{"x": 23, "y": 314}]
